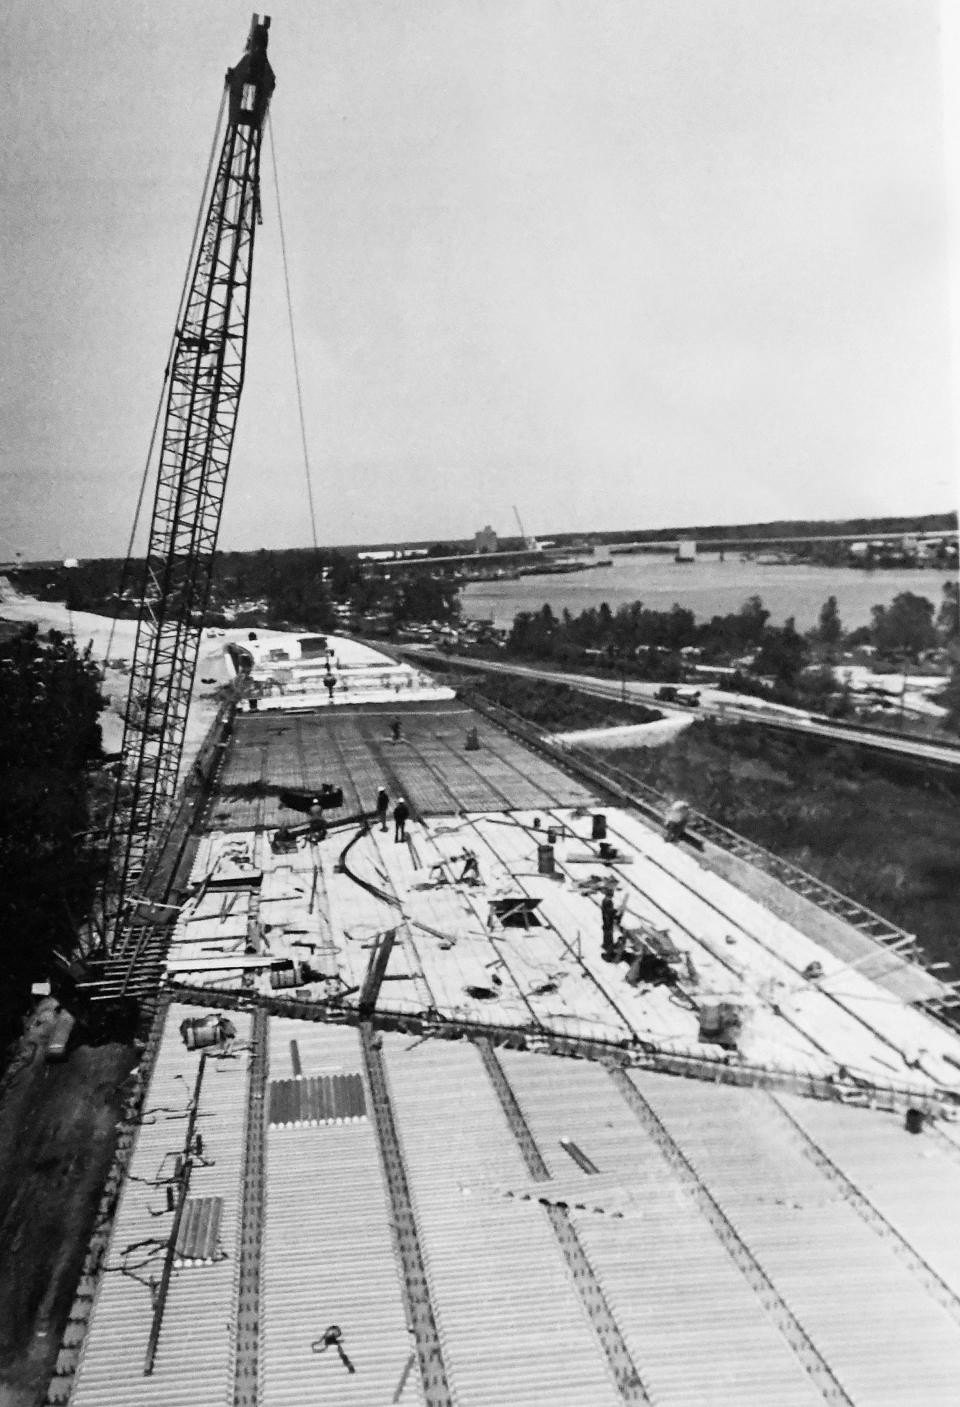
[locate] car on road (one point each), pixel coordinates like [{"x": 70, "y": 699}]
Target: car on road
[{"x": 671, "y": 693}]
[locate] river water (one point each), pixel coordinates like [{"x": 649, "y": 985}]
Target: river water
[{"x": 707, "y": 587}]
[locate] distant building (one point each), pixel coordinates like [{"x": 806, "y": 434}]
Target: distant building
[
  {"x": 686, "y": 550},
  {"x": 486, "y": 540}
]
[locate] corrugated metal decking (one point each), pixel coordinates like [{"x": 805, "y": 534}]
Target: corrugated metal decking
[
  {"x": 329, "y": 1257},
  {"x": 195, "y": 1356},
  {"x": 324, "y": 1099},
  {"x": 513, "y": 1327},
  {"x": 697, "y": 1328},
  {"x": 901, "y": 1344},
  {"x": 198, "y": 1239}
]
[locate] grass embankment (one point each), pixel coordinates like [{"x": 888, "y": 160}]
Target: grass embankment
[
  {"x": 882, "y": 832},
  {"x": 557, "y": 706}
]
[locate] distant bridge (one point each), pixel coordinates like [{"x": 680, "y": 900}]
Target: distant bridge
[{"x": 722, "y": 544}]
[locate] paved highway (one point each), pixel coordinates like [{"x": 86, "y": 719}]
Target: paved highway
[{"x": 716, "y": 703}]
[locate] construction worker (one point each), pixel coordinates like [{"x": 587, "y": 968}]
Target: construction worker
[
  {"x": 396, "y": 729},
  {"x": 608, "y": 921},
  {"x": 470, "y": 874},
  {"x": 675, "y": 822},
  {"x": 383, "y": 806},
  {"x": 318, "y": 826},
  {"x": 401, "y": 814}
]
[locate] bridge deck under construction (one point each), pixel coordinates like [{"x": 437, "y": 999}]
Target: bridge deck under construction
[
  {"x": 426, "y": 1203},
  {"x": 353, "y": 748}
]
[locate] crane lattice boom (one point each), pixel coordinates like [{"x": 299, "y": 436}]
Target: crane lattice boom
[{"x": 205, "y": 378}]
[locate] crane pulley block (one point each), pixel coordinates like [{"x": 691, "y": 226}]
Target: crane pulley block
[{"x": 251, "y": 84}]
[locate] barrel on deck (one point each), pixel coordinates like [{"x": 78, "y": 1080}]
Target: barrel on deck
[
  {"x": 545, "y": 861},
  {"x": 286, "y": 976},
  {"x": 198, "y": 1032}
]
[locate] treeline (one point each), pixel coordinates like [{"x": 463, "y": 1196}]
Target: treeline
[
  {"x": 776, "y": 662},
  {"x": 910, "y": 625},
  {"x": 49, "y": 739},
  {"x": 299, "y": 585},
  {"x": 296, "y": 588},
  {"x": 92, "y": 586},
  {"x": 631, "y": 628}
]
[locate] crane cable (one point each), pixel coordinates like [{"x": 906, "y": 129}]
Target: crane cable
[
  {"x": 204, "y": 201},
  {"x": 293, "y": 340}
]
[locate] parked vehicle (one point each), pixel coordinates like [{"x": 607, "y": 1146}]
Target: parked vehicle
[{"x": 672, "y": 693}]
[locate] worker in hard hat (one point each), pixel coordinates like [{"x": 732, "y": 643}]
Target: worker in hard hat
[
  {"x": 401, "y": 814},
  {"x": 318, "y": 826},
  {"x": 676, "y": 819},
  {"x": 383, "y": 806}
]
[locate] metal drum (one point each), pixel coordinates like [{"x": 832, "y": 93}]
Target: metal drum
[
  {"x": 286, "y": 976},
  {"x": 545, "y": 861}
]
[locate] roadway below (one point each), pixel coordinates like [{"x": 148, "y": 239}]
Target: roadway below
[{"x": 718, "y": 704}]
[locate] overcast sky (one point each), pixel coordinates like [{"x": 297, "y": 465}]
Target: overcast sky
[{"x": 624, "y": 263}]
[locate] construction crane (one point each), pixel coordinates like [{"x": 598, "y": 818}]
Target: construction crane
[
  {"x": 530, "y": 543},
  {"x": 203, "y": 381}
]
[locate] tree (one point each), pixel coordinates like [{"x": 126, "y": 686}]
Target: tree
[
  {"x": 829, "y": 630},
  {"x": 752, "y": 621},
  {"x": 783, "y": 654},
  {"x": 49, "y": 735},
  {"x": 948, "y": 617},
  {"x": 534, "y": 633},
  {"x": 425, "y": 598},
  {"x": 905, "y": 627}
]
